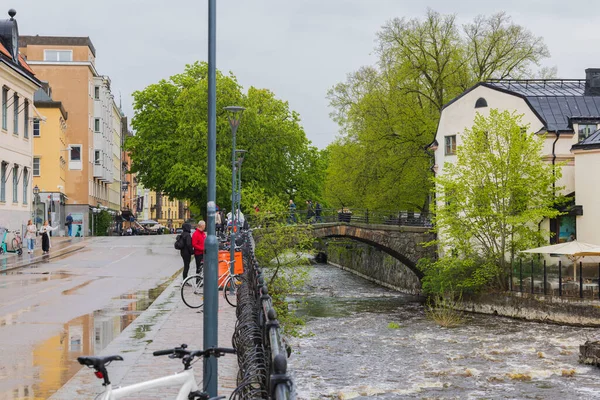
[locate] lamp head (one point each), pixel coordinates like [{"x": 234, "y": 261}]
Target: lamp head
[
  {"x": 36, "y": 190},
  {"x": 234, "y": 114}
]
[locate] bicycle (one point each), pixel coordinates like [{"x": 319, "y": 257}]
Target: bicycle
[
  {"x": 189, "y": 389},
  {"x": 192, "y": 288}
]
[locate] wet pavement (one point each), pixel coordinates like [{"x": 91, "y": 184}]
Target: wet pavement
[
  {"x": 73, "y": 304},
  {"x": 61, "y": 246}
]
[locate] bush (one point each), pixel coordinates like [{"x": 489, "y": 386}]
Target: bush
[{"x": 454, "y": 275}]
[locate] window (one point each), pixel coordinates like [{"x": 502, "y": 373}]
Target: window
[
  {"x": 16, "y": 114},
  {"x": 36, "y": 127},
  {"x": 58, "y": 55},
  {"x": 97, "y": 92},
  {"x": 36, "y": 166},
  {"x": 25, "y": 184},
  {"x": 480, "y": 103},
  {"x": 75, "y": 154},
  {"x": 26, "y": 119},
  {"x": 450, "y": 145},
  {"x": 3, "y": 182},
  {"x": 4, "y": 108},
  {"x": 97, "y": 125},
  {"x": 97, "y": 157},
  {"x": 15, "y": 184},
  {"x": 585, "y": 130}
]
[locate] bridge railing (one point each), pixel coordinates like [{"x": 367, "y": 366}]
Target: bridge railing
[
  {"x": 262, "y": 355},
  {"x": 363, "y": 216}
]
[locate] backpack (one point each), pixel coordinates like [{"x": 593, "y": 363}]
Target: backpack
[{"x": 179, "y": 242}]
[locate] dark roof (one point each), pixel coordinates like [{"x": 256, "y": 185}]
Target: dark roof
[
  {"x": 57, "y": 41},
  {"x": 41, "y": 95},
  {"x": 42, "y": 99},
  {"x": 554, "y": 101}
]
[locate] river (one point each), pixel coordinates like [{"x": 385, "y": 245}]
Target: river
[{"x": 365, "y": 341}]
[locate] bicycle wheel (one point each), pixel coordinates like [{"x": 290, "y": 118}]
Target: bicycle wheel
[
  {"x": 230, "y": 290},
  {"x": 192, "y": 291}
]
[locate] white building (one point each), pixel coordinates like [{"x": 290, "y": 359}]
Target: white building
[
  {"x": 18, "y": 85},
  {"x": 567, "y": 112}
]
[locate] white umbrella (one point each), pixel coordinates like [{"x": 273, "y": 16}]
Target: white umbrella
[
  {"x": 148, "y": 222},
  {"x": 574, "y": 250}
]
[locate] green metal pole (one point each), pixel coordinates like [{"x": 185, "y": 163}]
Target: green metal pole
[
  {"x": 211, "y": 292},
  {"x": 233, "y": 201}
]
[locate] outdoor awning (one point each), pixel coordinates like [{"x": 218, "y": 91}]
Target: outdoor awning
[{"x": 573, "y": 248}]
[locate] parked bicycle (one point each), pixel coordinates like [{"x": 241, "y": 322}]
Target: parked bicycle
[
  {"x": 189, "y": 389},
  {"x": 192, "y": 288}
]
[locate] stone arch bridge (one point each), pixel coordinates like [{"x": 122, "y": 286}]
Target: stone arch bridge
[{"x": 404, "y": 243}]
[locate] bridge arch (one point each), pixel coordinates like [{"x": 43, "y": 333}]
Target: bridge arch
[{"x": 401, "y": 242}]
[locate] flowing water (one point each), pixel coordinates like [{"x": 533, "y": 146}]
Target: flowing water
[{"x": 365, "y": 341}]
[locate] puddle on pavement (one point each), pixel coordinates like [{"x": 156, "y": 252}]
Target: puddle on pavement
[
  {"x": 32, "y": 278},
  {"x": 55, "y": 360}
]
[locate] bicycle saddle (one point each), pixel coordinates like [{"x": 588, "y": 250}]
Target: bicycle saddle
[{"x": 98, "y": 362}]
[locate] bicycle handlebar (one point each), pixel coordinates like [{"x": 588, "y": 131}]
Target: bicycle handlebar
[{"x": 180, "y": 352}]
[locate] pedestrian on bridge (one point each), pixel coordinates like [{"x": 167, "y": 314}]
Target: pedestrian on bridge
[
  {"x": 292, "y": 216},
  {"x": 318, "y": 210},
  {"x": 310, "y": 212}
]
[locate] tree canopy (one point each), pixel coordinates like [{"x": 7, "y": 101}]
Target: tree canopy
[
  {"x": 388, "y": 113},
  {"x": 169, "y": 148}
]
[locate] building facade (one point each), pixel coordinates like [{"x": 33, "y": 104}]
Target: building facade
[
  {"x": 565, "y": 113},
  {"x": 49, "y": 158},
  {"x": 18, "y": 83},
  {"x": 68, "y": 64}
]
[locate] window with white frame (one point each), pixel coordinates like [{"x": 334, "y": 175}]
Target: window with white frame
[
  {"x": 25, "y": 184},
  {"x": 15, "y": 172},
  {"x": 16, "y": 114},
  {"x": 97, "y": 92},
  {"x": 4, "y": 108},
  {"x": 58, "y": 55},
  {"x": 3, "y": 182},
  {"x": 26, "y": 119},
  {"x": 450, "y": 145},
  {"x": 75, "y": 153},
  {"x": 36, "y": 166},
  {"x": 97, "y": 125},
  {"x": 36, "y": 127},
  {"x": 97, "y": 157}
]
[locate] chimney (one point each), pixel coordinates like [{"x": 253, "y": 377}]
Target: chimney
[{"x": 592, "y": 82}]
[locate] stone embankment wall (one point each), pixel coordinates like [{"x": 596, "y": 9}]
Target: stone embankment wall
[
  {"x": 537, "y": 308},
  {"x": 372, "y": 264}
]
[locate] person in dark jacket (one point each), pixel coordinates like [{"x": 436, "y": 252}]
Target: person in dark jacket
[{"x": 188, "y": 250}]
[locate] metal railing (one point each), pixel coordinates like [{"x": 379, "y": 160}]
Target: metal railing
[
  {"x": 572, "y": 280},
  {"x": 262, "y": 355},
  {"x": 363, "y": 216}
]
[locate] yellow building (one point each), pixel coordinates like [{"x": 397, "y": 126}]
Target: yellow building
[
  {"x": 49, "y": 157},
  {"x": 171, "y": 213}
]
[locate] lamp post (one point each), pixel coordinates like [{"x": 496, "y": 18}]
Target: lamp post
[
  {"x": 211, "y": 289},
  {"x": 234, "y": 114},
  {"x": 240, "y": 158},
  {"x": 36, "y": 192}
]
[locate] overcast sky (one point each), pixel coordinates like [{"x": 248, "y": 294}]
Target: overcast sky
[{"x": 296, "y": 48}]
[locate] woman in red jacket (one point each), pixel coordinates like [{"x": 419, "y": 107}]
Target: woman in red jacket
[{"x": 198, "y": 244}]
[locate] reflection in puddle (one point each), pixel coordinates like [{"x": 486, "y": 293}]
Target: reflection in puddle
[{"x": 55, "y": 360}]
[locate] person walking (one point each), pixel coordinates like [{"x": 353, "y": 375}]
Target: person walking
[
  {"x": 30, "y": 236},
  {"x": 292, "y": 216},
  {"x": 45, "y": 230},
  {"x": 310, "y": 213},
  {"x": 187, "y": 250},
  {"x": 318, "y": 210},
  {"x": 69, "y": 225},
  {"x": 198, "y": 244}
]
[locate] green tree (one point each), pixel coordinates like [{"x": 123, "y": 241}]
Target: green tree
[
  {"x": 169, "y": 148},
  {"x": 388, "y": 114},
  {"x": 492, "y": 199}
]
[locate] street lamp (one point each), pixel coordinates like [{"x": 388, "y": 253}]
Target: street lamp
[
  {"x": 240, "y": 158},
  {"x": 36, "y": 192},
  {"x": 95, "y": 211},
  {"x": 234, "y": 114}
]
